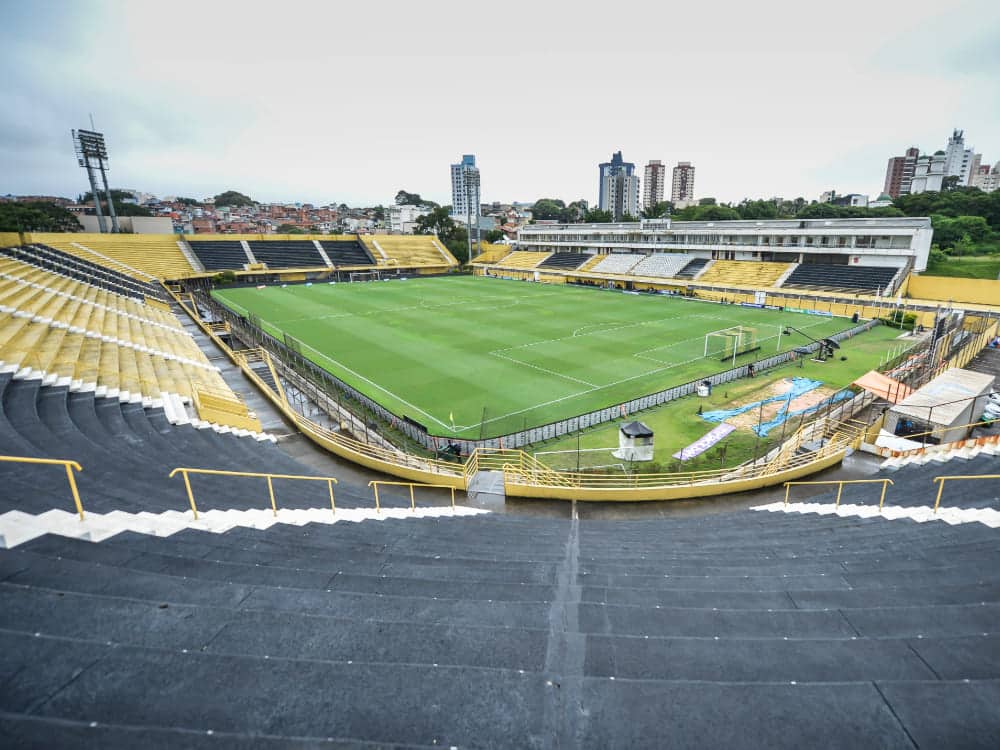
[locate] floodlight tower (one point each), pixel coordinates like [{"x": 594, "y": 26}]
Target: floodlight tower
[
  {"x": 472, "y": 212},
  {"x": 91, "y": 154}
]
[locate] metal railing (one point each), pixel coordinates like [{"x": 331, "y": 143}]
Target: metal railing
[
  {"x": 942, "y": 480},
  {"x": 69, "y": 466},
  {"x": 840, "y": 487},
  {"x": 375, "y": 483},
  {"x": 185, "y": 471}
]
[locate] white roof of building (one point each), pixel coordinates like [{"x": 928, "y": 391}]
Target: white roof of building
[{"x": 944, "y": 399}]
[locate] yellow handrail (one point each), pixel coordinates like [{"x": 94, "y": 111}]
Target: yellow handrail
[
  {"x": 374, "y": 484},
  {"x": 840, "y": 487},
  {"x": 70, "y": 465},
  {"x": 944, "y": 479},
  {"x": 330, "y": 481}
]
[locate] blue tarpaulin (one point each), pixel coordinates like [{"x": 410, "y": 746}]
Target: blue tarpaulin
[
  {"x": 799, "y": 386},
  {"x": 784, "y": 415}
]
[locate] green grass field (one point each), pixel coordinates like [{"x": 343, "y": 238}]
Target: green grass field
[
  {"x": 677, "y": 423},
  {"x": 528, "y": 354}
]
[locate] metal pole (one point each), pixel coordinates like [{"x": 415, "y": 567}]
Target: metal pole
[
  {"x": 187, "y": 484},
  {"x": 72, "y": 487},
  {"x": 378, "y": 508},
  {"x": 270, "y": 490},
  {"x": 111, "y": 203},
  {"x": 333, "y": 507},
  {"x": 101, "y": 225}
]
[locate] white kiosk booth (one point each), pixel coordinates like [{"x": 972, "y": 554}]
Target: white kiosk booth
[{"x": 635, "y": 442}]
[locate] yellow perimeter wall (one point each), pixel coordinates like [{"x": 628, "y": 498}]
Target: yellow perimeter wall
[{"x": 978, "y": 291}]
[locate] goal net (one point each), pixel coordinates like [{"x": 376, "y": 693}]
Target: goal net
[
  {"x": 729, "y": 343},
  {"x": 365, "y": 275}
]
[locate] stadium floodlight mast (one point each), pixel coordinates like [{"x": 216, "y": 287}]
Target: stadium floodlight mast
[
  {"x": 91, "y": 154},
  {"x": 472, "y": 181}
]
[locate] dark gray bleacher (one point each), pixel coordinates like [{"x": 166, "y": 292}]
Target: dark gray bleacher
[
  {"x": 739, "y": 629},
  {"x": 77, "y": 268},
  {"x": 692, "y": 269},
  {"x": 287, "y": 253},
  {"x": 220, "y": 255},
  {"x": 565, "y": 261},
  {"x": 821, "y": 276},
  {"x": 347, "y": 253}
]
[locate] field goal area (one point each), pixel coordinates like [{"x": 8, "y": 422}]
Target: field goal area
[{"x": 728, "y": 343}]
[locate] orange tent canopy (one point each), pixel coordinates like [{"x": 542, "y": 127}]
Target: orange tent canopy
[{"x": 883, "y": 386}]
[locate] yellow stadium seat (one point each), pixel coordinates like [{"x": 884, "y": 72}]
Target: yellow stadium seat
[
  {"x": 743, "y": 273},
  {"x": 522, "y": 260}
]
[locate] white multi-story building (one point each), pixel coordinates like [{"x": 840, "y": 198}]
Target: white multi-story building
[
  {"x": 619, "y": 187},
  {"x": 652, "y": 183},
  {"x": 987, "y": 179},
  {"x": 465, "y": 187},
  {"x": 929, "y": 173},
  {"x": 876, "y": 242},
  {"x": 958, "y": 159},
  {"x": 403, "y": 219},
  {"x": 621, "y": 192},
  {"x": 682, "y": 186}
]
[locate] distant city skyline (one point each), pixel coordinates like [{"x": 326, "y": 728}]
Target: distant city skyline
[{"x": 792, "y": 109}]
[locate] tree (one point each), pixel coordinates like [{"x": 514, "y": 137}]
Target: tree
[
  {"x": 453, "y": 236},
  {"x": 706, "y": 213},
  {"x": 758, "y": 209},
  {"x": 438, "y": 222},
  {"x": 706, "y": 201},
  {"x": 118, "y": 197},
  {"x": 233, "y": 198},
  {"x": 963, "y": 246},
  {"x": 950, "y": 183},
  {"x": 494, "y": 235},
  {"x": 948, "y": 231},
  {"x": 658, "y": 211},
  {"x": 36, "y": 216},
  {"x": 627, "y": 217},
  {"x": 403, "y": 198},
  {"x": 186, "y": 201},
  {"x": 289, "y": 229},
  {"x": 574, "y": 212},
  {"x": 597, "y": 216},
  {"x": 547, "y": 209}
]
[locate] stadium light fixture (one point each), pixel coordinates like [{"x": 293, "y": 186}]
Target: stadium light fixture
[{"x": 92, "y": 154}]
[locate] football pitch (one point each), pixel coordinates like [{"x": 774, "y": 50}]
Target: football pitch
[{"x": 474, "y": 357}]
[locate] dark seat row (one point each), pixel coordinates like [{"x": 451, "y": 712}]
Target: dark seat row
[
  {"x": 347, "y": 253},
  {"x": 824, "y": 276},
  {"x": 220, "y": 255},
  {"x": 566, "y": 261},
  {"x": 287, "y": 253},
  {"x": 692, "y": 269},
  {"x": 70, "y": 265}
]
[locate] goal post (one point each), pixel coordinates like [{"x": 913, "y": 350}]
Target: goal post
[
  {"x": 729, "y": 343},
  {"x": 364, "y": 276}
]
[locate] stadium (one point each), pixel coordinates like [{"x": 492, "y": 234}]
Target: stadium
[{"x": 284, "y": 491}]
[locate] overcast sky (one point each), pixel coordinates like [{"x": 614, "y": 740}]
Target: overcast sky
[{"x": 349, "y": 102}]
